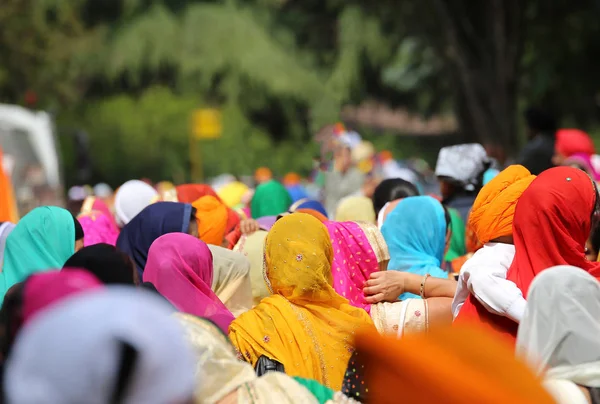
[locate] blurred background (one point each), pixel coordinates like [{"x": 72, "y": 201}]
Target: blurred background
[{"x": 181, "y": 90}]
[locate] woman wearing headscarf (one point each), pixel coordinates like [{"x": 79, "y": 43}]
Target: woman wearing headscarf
[
  {"x": 137, "y": 354},
  {"x": 131, "y": 198},
  {"x": 355, "y": 208},
  {"x": 181, "y": 268},
  {"x": 25, "y": 300},
  {"x": 110, "y": 265},
  {"x": 167, "y": 191},
  {"x": 460, "y": 170},
  {"x": 557, "y": 334},
  {"x": 416, "y": 233},
  {"x": 270, "y": 199},
  {"x": 306, "y": 203},
  {"x": 253, "y": 247},
  {"x": 231, "y": 279},
  {"x": 189, "y": 193},
  {"x": 358, "y": 250},
  {"x": 452, "y": 365},
  {"x": 572, "y": 141},
  {"x": 95, "y": 204},
  {"x": 552, "y": 222},
  {"x": 390, "y": 190},
  {"x": 482, "y": 279},
  {"x": 221, "y": 377},
  {"x": 154, "y": 221},
  {"x": 98, "y": 228},
  {"x": 233, "y": 194},
  {"x": 211, "y": 216},
  {"x": 44, "y": 238},
  {"x": 305, "y": 325},
  {"x": 590, "y": 163}
]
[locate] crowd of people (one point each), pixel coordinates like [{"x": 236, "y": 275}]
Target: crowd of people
[{"x": 358, "y": 283}]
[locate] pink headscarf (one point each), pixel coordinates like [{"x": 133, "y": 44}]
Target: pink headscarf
[
  {"x": 353, "y": 261},
  {"x": 180, "y": 267},
  {"x": 98, "y": 228},
  {"x": 92, "y": 203},
  {"x": 47, "y": 288}
]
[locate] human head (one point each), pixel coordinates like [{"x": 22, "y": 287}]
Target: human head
[
  {"x": 79, "y": 234},
  {"x": 539, "y": 122},
  {"x": 189, "y": 193},
  {"x": 460, "y": 168},
  {"x": 570, "y": 142},
  {"x": 98, "y": 228},
  {"x": 560, "y": 207},
  {"x": 137, "y": 354},
  {"x": 270, "y": 199},
  {"x": 263, "y": 174},
  {"x": 131, "y": 198},
  {"x": 355, "y": 208},
  {"x": 561, "y": 321},
  {"x": 44, "y": 238},
  {"x": 211, "y": 219},
  {"x": 492, "y": 213},
  {"x": 110, "y": 265},
  {"x": 390, "y": 190},
  {"x": 151, "y": 223},
  {"x": 181, "y": 268},
  {"x": 40, "y": 291}
]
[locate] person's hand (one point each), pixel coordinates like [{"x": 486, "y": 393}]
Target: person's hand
[
  {"x": 249, "y": 226},
  {"x": 384, "y": 286}
]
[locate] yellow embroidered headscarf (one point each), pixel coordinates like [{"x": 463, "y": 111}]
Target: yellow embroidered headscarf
[{"x": 304, "y": 324}]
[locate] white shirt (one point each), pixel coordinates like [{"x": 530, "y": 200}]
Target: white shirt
[{"x": 484, "y": 275}]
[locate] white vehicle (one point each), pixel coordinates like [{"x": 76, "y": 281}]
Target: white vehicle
[{"x": 31, "y": 157}]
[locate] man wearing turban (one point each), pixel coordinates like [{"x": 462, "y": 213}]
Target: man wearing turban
[{"x": 482, "y": 278}]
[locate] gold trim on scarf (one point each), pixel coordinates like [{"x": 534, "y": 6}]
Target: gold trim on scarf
[{"x": 376, "y": 240}]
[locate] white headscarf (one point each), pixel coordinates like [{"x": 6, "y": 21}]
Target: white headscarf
[
  {"x": 560, "y": 331},
  {"x": 131, "y": 198},
  {"x": 72, "y": 353},
  {"x": 463, "y": 163}
]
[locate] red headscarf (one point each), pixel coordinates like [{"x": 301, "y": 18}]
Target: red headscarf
[
  {"x": 571, "y": 141},
  {"x": 551, "y": 225},
  {"x": 189, "y": 193}
]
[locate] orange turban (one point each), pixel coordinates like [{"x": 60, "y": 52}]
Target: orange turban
[
  {"x": 291, "y": 179},
  {"x": 211, "y": 215},
  {"x": 263, "y": 174},
  {"x": 493, "y": 211},
  {"x": 455, "y": 365}
]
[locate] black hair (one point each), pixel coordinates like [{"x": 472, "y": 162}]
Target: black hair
[
  {"x": 447, "y": 217},
  {"x": 595, "y": 239},
  {"x": 106, "y": 262},
  {"x": 391, "y": 189},
  {"x": 11, "y": 318},
  {"x": 540, "y": 121},
  {"x": 78, "y": 229},
  {"x": 194, "y": 211}
]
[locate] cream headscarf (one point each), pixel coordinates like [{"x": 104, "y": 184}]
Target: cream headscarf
[
  {"x": 559, "y": 331},
  {"x": 231, "y": 279},
  {"x": 219, "y": 372},
  {"x": 253, "y": 247},
  {"x": 355, "y": 209}
]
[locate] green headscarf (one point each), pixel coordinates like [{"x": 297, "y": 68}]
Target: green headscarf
[
  {"x": 270, "y": 199},
  {"x": 44, "y": 239},
  {"x": 458, "y": 246}
]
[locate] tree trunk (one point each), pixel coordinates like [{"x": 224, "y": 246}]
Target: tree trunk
[{"x": 481, "y": 41}]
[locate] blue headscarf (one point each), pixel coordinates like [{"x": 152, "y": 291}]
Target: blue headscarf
[
  {"x": 309, "y": 204},
  {"x": 42, "y": 240},
  {"x": 415, "y": 232},
  {"x": 154, "y": 221},
  {"x": 297, "y": 192}
]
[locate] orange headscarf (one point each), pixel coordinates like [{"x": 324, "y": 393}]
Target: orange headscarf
[
  {"x": 188, "y": 193},
  {"x": 493, "y": 211},
  {"x": 423, "y": 368},
  {"x": 263, "y": 174},
  {"x": 322, "y": 218},
  {"x": 211, "y": 215}
]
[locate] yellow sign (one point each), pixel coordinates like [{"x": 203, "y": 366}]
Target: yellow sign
[{"x": 206, "y": 123}]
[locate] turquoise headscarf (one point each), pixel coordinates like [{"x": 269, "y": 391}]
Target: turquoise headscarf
[
  {"x": 415, "y": 232},
  {"x": 270, "y": 199},
  {"x": 43, "y": 239}
]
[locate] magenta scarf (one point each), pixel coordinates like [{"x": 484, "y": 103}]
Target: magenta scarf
[
  {"x": 98, "y": 228},
  {"x": 181, "y": 268},
  {"x": 353, "y": 261}
]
